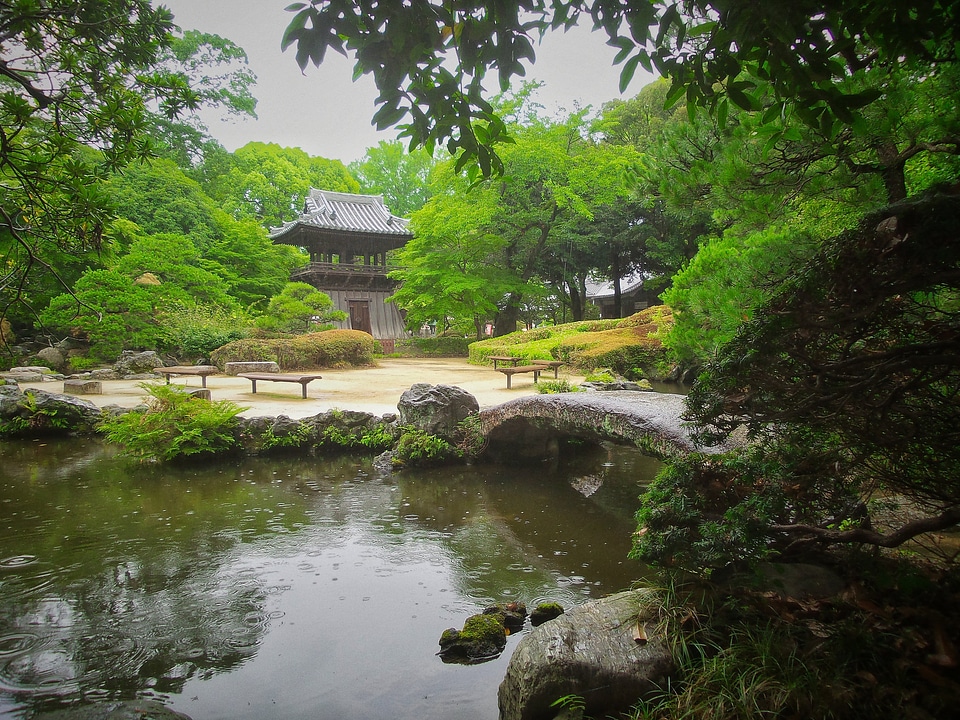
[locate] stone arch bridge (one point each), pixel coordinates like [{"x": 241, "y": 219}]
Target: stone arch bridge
[{"x": 531, "y": 428}]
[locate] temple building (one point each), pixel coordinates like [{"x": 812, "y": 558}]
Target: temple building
[{"x": 348, "y": 237}]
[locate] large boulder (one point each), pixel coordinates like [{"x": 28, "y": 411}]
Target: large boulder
[
  {"x": 606, "y": 651},
  {"x": 38, "y": 412},
  {"x": 10, "y": 398},
  {"x": 131, "y": 362},
  {"x": 436, "y": 409},
  {"x": 53, "y": 358}
]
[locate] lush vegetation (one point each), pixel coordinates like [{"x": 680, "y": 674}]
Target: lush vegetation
[
  {"x": 632, "y": 346},
  {"x": 802, "y": 232},
  {"x": 174, "y": 426}
]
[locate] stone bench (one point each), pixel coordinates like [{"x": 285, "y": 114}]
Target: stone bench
[
  {"x": 511, "y": 371},
  {"x": 505, "y": 359},
  {"x": 201, "y": 370},
  {"x": 259, "y": 366},
  {"x": 82, "y": 387},
  {"x": 304, "y": 379}
]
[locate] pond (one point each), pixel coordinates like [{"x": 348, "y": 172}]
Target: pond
[{"x": 288, "y": 587}]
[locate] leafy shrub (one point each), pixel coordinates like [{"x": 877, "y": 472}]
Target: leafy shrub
[
  {"x": 194, "y": 332},
  {"x": 376, "y": 439},
  {"x": 175, "y": 425},
  {"x": 602, "y": 375},
  {"x": 330, "y": 348},
  {"x": 419, "y": 449},
  {"x": 552, "y": 387}
]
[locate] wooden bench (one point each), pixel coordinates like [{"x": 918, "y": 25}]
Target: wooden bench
[
  {"x": 201, "y": 370},
  {"x": 304, "y": 379},
  {"x": 504, "y": 359},
  {"x": 555, "y": 364},
  {"x": 511, "y": 371}
]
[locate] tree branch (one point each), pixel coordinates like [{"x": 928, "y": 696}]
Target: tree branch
[{"x": 910, "y": 530}]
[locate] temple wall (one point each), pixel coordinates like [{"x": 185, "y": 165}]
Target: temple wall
[{"x": 385, "y": 318}]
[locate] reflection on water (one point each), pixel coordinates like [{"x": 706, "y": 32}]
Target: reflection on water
[{"x": 287, "y": 588}]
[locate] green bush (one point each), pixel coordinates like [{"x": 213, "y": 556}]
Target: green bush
[
  {"x": 175, "y": 425},
  {"x": 434, "y": 347},
  {"x": 552, "y": 387},
  {"x": 330, "y": 348},
  {"x": 375, "y": 439},
  {"x": 195, "y": 332},
  {"x": 419, "y": 449}
]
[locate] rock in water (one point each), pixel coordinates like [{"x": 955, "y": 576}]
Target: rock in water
[
  {"x": 436, "y": 409},
  {"x": 589, "y": 651}
]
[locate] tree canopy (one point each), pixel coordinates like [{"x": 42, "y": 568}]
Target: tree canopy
[{"x": 430, "y": 59}]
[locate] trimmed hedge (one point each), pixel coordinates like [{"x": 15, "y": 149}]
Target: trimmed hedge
[
  {"x": 434, "y": 347},
  {"x": 330, "y": 348}
]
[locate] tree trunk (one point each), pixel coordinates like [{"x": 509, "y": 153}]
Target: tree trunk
[
  {"x": 617, "y": 297},
  {"x": 576, "y": 301},
  {"x": 894, "y": 180},
  {"x": 507, "y": 319}
]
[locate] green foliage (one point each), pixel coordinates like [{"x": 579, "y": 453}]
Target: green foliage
[
  {"x": 433, "y": 346},
  {"x": 299, "y": 308},
  {"x": 329, "y": 348},
  {"x": 76, "y": 76},
  {"x": 268, "y": 183},
  {"x": 432, "y": 79},
  {"x": 32, "y": 419},
  {"x": 698, "y": 515},
  {"x": 718, "y": 291},
  {"x": 621, "y": 345},
  {"x": 196, "y": 331},
  {"x": 175, "y": 426},
  {"x": 416, "y": 448},
  {"x": 111, "y": 311},
  {"x": 402, "y": 177},
  {"x": 376, "y": 439},
  {"x": 858, "y": 347},
  {"x": 748, "y": 654},
  {"x": 552, "y": 387},
  {"x": 295, "y": 439}
]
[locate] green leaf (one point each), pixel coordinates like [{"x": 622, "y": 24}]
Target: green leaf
[
  {"x": 626, "y": 75},
  {"x": 722, "y": 109}
]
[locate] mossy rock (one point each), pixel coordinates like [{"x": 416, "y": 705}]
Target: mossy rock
[
  {"x": 544, "y": 612},
  {"x": 482, "y": 638}
]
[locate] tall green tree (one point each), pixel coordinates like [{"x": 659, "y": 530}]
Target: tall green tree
[
  {"x": 452, "y": 270},
  {"x": 160, "y": 198},
  {"x": 402, "y": 177},
  {"x": 86, "y": 88},
  {"x": 269, "y": 183}
]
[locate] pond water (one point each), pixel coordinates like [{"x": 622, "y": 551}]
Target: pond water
[{"x": 288, "y": 587}]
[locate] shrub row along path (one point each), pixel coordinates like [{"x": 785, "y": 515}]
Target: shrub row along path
[{"x": 375, "y": 390}]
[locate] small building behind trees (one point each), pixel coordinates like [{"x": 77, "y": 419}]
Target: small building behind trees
[{"x": 348, "y": 238}]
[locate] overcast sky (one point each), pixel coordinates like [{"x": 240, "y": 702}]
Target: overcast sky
[{"x": 326, "y": 114}]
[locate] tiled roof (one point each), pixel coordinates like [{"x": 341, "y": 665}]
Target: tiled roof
[
  {"x": 347, "y": 213},
  {"x": 597, "y": 289}
]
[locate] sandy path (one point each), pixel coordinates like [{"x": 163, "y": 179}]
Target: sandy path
[{"x": 375, "y": 390}]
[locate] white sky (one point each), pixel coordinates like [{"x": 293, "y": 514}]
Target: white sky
[{"x": 327, "y": 115}]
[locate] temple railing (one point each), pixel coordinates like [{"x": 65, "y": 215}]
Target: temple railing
[{"x": 344, "y": 268}]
